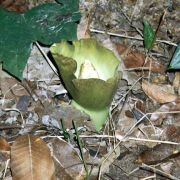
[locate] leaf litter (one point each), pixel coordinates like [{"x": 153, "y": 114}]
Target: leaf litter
[{"x": 141, "y": 138}]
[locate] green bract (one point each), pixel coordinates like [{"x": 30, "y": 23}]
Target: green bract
[{"x": 92, "y": 95}]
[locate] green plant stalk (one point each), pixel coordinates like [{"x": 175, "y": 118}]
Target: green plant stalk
[
  {"x": 80, "y": 149},
  {"x": 65, "y": 133}
]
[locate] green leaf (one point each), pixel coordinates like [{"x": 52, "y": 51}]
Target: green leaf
[
  {"x": 175, "y": 62},
  {"x": 47, "y": 23},
  {"x": 149, "y": 35}
]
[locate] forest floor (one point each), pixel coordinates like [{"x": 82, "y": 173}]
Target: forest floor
[{"x": 141, "y": 139}]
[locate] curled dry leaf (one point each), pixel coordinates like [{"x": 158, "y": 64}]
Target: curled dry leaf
[
  {"x": 31, "y": 159},
  {"x": 159, "y": 93},
  {"x": 137, "y": 60}
]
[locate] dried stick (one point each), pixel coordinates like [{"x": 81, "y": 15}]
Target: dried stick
[{"x": 130, "y": 37}]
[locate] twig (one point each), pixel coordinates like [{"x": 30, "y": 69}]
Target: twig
[
  {"x": 130, "y": 138},
  {"x": 46, "y": 58},
  {"x": 7, "y": 164},
  {"x": 144, "y": 166},
  {"x": 115, "y": 34},
  {"x": 137, "y": 69},
  {"x": 130, "y": 37},
  {"x": 149, "y": 177},
  {"x": 120, "y": 138},
  {"x": 10, "y": 127},
  {"x": 153, "y": 140}
]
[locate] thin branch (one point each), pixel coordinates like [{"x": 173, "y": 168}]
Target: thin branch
[
  {"x": 150, "y": 168},
  {"x": 115, "y": 34},
  {"x": 153, "y": 140},
  {"x": 130, "y": 37},
  {"x": 120, "y": 138},
  {"x": 149, "y": 177},
  {"x": 46, "y": 58},
  {"x": 6, "y": 167}
]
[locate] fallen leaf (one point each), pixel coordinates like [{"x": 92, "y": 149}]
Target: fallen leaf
[
  {"x": 83, "y": 28},
  {"x": 4, "y": 145},
  {"x": 11, "y": 87},
  {"x": 167, "y": 167},
  {"x": 149, "y": 35},
  {"x": 160, "y": 79},
  {"x": 157, "y": 119},
  {"x": 4, "y": 150},
  {"x": 137, "y": 111},
  {"x": 11, "y": 5},
  {"x": 160, "y": 153},
  {"x": 68, "y": 164},
  {"x": 107, "y": 160},
  {"x": 31, "y": 159},
  {"x": 176, "y": 82},
  {"x": 136, "y": 60},
  {"x": 171, "y": 133},
  {"x": 130, "y": 77},
  {"x": 125, "y": 121},
  {"x": 159, "y": 93},
  {"x": 147, "y": 132}
]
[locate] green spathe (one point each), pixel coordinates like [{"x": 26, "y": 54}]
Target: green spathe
[{"x": 93, "y": 95}]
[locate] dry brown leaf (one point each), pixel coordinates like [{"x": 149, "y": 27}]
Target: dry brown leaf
[
  {"x": 159, "y": 93},
  {"x": 68, "y": 164},
  {"x": 167, "y": 167},
  {"x": 171, "y": 133},
  {"x": 83, "y": 28},
  {"x": 136, "y": 60},
  {"x": 4, "y": 150},
  {"x": 11, "y": 5},
  {"x": 157, "y": 119},
  {"x": 4, "y": 145},
  {"x": 31, "y": 159},
  {"x": 176, "y": 82},
  {"x": 160, "y": 153},
  {"x": 147, "y": 132},
  {"x": 11, "y": 87}
]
